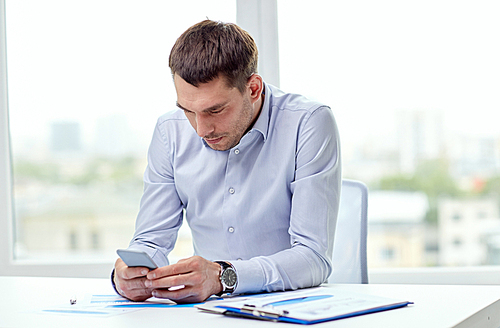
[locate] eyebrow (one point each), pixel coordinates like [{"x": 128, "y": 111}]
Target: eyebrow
[{"x": 206, "y": 110}]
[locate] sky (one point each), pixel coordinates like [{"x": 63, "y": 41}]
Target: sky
[
  {"x": 370, "y": 59},
  {"x": 85, "y": 60}
]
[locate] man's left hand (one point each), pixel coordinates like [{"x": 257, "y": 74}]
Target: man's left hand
[{"x": 200, "y": 278}]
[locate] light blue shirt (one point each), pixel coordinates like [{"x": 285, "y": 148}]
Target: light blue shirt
[{"x": 269, "y": 205}]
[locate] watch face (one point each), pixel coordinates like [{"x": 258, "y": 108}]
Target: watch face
[{"x": 229, "y": 277}]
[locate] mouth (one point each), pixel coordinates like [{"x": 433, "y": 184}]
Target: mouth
[{"x": 213, "y": 141}]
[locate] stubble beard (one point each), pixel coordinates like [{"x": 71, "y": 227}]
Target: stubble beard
[{"x": 240, "y": 128}]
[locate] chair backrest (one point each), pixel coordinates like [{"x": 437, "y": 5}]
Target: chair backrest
[{"x": 349, "y": 246}]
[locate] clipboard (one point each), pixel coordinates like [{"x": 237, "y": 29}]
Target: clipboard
[{"x": 304, "y": 306}]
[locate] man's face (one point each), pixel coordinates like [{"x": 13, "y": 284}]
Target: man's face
[{"x": 219, "y": 114}]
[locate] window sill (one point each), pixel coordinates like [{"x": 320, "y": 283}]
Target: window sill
[{"x": 478, "y": 275}]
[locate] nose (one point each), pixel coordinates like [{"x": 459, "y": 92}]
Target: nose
[{"x": 204, "y": 126}]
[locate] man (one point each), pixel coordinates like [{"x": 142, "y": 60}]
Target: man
[{"x": 256, "y": 171}]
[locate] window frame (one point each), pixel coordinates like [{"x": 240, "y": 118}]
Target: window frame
[
  {"x": 248, "y": 14},
  {"x": 8, "y": 265},
  {"x": 259, "y": 17}
]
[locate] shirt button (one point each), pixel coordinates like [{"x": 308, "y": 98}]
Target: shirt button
[
  {"x": 236, "y": 151},
  {"x": 231, "y": 190},
  {"x": 231, "y": 229}
]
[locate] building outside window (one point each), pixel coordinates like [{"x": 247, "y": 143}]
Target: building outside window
[
  {"x": 87, "y": 81},
  {"x": 413, "y": 87}
]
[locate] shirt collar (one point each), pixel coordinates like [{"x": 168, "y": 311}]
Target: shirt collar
[{"x": 262, "y": 123}]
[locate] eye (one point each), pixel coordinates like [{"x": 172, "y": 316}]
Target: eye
[{"x": 216, "y": 111}]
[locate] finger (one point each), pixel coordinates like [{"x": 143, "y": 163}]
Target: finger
[
  {"x": 185, "y": 295},
  {"x": 133, "y": 289},
  {"x": 119, "y": 263},
  {"x": 131, "y": 284},
  {"x": 137, "y": 295},
  {"x": 132, "y": 272},
  {"x": 191, "y": 264},
  {"x": 170, "y": 281},
  {"x": 181, "y": 295},
  {"x": 170, "y": 270}
]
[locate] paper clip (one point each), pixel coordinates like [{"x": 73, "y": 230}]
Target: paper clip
[{"x": 262, "y": 312}]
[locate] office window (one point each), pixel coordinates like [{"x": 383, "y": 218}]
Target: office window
[
  {"x": 387, "y": 253},
  {"x": 87, "y": 81},
  {"x": 482, "y": 215},
  {"x": 414, "y": 88}
]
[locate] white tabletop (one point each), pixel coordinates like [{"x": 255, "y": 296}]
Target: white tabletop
[{"x": 435, "y": 306}]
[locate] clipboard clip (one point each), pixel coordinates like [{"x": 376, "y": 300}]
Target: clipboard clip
[{"x": 262, "y": 312}]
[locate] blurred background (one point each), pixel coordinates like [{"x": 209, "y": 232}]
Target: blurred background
[{"x": 413, "y": 86}]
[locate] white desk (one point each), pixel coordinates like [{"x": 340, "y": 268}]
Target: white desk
[{"x": 435, "y": 306}]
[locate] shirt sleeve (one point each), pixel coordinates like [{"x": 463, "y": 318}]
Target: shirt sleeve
[
  {"x": 315, "y": 203},
  {"x": 160, "y": 215}
]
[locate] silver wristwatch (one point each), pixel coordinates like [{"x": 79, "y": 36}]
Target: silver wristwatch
[{"x": 228, "y": 277}]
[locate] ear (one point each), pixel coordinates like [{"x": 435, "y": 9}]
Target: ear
[{"x": 255, "y": 86}]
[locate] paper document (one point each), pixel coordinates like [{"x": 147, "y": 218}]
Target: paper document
[
  {"x": 304, "y": 306},
  {"x": 107, "y": 305}
]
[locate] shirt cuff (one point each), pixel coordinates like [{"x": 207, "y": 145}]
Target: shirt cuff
[
  {"x": 113, "y": 281},
  {"x": 250, "y": 277},
  {"x": 156, "y": 254}
]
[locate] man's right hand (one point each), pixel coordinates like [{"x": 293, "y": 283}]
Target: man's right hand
[{"x": 129, "y": 282}]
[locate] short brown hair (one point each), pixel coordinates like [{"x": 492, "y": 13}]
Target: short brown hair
[{"x": 210, "y": 48}]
